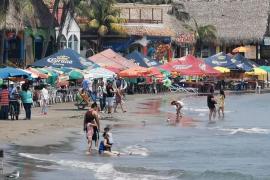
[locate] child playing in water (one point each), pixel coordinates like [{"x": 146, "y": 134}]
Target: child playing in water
[
  {"x": 107, "y": 130},
  {"x": 105, "y": 146},
  {"x": 179, "y": 106}
]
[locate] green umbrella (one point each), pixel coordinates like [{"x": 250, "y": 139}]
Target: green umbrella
[
  {"x": 52, "y": 75},
  {"x": 1, "y": 82},
  {"x": 75, "y": 75},
  {"x": 167, "y": 83},
  {"x": 266, "y": 68},
  {"x": 165, "y": 73}
]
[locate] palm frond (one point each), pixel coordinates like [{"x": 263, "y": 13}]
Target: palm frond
[
  {"x": 188, "y": 27},
  {"x": 117, "y": 28},
  {"x": 95, "y": 24},
  {"x": 103, "y": 30}
]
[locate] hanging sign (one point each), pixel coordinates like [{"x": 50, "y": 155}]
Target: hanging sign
[{"x": 187, "y": 38}]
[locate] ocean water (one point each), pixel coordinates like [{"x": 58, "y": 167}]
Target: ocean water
[{"x": 236, "y": 148}]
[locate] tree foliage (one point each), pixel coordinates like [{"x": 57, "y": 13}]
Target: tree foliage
[{"x": 203, "y": 34}]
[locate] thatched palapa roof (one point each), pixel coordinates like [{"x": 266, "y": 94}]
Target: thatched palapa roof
[
  {"x": 244, "y": 21},
  {"x": 236, "y": 21}
]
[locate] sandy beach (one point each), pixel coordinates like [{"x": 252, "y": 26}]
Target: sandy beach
[{"x": 64, "y": 118}]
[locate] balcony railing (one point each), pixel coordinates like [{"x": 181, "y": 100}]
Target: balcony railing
[{"x": 142, "y": 15}]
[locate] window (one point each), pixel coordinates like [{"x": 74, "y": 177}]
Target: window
[
  {"x": 73, "y": 42},
  {"x": 63, "y": 42}
]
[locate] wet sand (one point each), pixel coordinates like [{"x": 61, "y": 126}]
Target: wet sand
[{"x": 64, "y": 119}]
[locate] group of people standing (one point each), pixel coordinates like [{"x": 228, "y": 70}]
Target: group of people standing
[
  {"x": 92, "y": 127},
  {"x": 17, "y": 95},
  {"x": 212, "y": 101},
  {"x": 110, "y": 95}
]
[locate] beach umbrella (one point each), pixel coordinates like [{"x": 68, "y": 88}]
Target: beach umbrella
[
  {"x": 257, "y": 72},
  {"x": 241, "y": 59},
  {"x": 222, "y": 69},
  {"x": 165, "y": 73},
  {"x": 266, "y": 68},
  {"x": 101, "y": 73},
  {"x": 240, "y": 49},
  {"x": 113, "y": 69},
  {"x": 154, "y": 71},
  {"x": 75, "y": 75},
  {"x": 142, "y": 60},
  {"x": 65, "y": 58},
  {"x": 167, "y": 83},
  {"x": 32, "y": 74},
  {"x": 8, "y": 72},
  {"x": 190, "y": 66},
  {"x": 134, "y": 72},
  {"x": 37, "y": 73},
  {"x": 52, "y": 75},
  {"x": 221, "y": 60}
]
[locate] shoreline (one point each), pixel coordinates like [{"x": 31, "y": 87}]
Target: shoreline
[{"x": 64, "y": 119}]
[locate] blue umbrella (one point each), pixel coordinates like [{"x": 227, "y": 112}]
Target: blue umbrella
[
  {"x": 65, "y": 58},
  {"x": 142, "y": 60},
  {"x": 248, "y": 64},
  {"x": 8, "y": 72},
  {"x": 222, "y": 60}
]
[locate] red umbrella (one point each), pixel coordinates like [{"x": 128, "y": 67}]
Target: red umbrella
[
  {"x": 190, "y": 66},
  {"x": 114, "y": 69},
  {"x": 154, "y": 71}
]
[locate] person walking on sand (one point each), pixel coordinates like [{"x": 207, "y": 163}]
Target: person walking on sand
[
  {"x": 119, "y": 99},
  {"x": 27, "y": 100},
  {"x": 221, "y": 103},
  {"x": 211, "y": 105},
  {"x": 92, "y": 117},
  {"x": 44, "y": 100},
  {"x": 179, "y": 106},
  {"x": 4, "y": 102}
]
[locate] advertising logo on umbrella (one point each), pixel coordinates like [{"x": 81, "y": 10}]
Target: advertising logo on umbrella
[
  {"x": 60, "y": 60},
  {"x": 178, "y": 67}
]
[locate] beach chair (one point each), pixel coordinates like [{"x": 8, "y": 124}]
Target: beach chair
[
  {"x": 173, "y": 89},
  {"x": 181, "y": 89}
]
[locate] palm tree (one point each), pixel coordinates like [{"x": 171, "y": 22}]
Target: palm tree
[
  {"x": 71, "y": 8},
  {"x": 203, "y": 34},
  {"x": 24, "y": 10},
  {"x": 105, "y": 19},
  {"x": 178, "y": 10}
]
